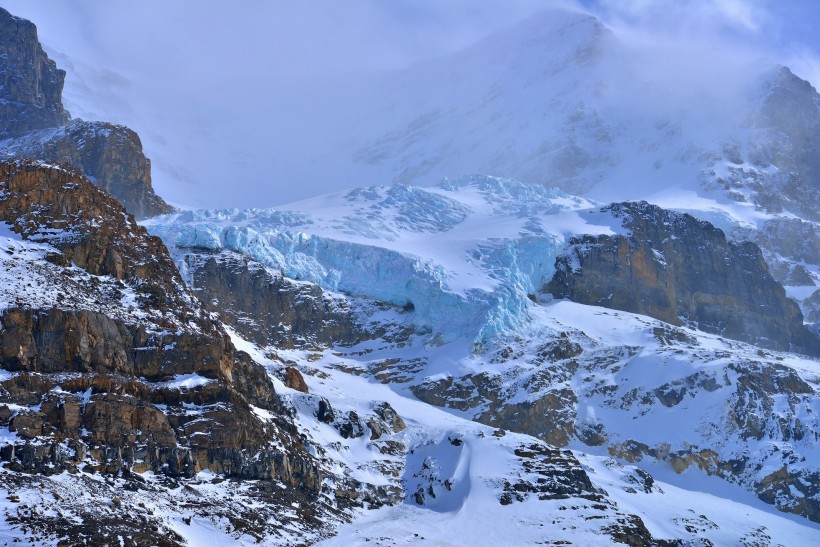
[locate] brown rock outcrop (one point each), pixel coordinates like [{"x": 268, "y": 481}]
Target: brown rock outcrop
[
  {"x": 56, "y": 206},
  {"x": 160, "y": 387},
  {"x": 109, "y": 154},
  {"x": 268, "y": 308},
  {"x": 678, "y": 269},
  {"x": 295, "y": 380}
]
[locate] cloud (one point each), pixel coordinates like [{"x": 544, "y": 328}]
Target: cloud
[
  {"x": 742, "y": 13},
  {"x": 220, "y": 91},
  {"x": 757, "y": 30},
  {"x": 683, "y": 16},
  {"x": 806, "y": 65}
]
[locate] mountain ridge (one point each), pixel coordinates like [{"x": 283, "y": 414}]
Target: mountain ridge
[
  {"x": 36, "y": 126},
  {"x": 482, "y": 360}
]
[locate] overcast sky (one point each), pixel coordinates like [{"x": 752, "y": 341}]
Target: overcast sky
[{"x": 208, "y": 84}]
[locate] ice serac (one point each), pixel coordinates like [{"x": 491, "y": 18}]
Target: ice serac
[
  {"x": 464, "y": 256},
  {"x": 34, "y": 124},
  {"x": 110, "y": 365},
  {"x": 680, "y": 270}
]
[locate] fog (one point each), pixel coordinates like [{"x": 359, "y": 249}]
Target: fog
[{"x": 241, "y": 104}]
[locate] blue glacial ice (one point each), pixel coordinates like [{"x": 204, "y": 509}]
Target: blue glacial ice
[{"x": 385, "y": 243}]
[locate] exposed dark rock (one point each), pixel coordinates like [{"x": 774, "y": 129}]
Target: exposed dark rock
[
  {"x": 325, "y": 412},
  {"x": 34, "y": 125},
  {"x": 812, "y": 305},
  {"x": 549, "y": 416},
  {"x": 390, "y": 416},
  {"x": 753, "y": 415},
  {"x": 59, "y": 207},
  {"x": 268, "y": 308},
  {"x": 116, "y": 410},
  {"x": 295, "y": 380},
  {"x": 792, "y": 237},
  {"x": 788, "y": 123},
  {"x": 782, "y": 484},
  {"x": 678, "y": 269},
  {"x": 110, "y": 155},
  {"x": 27, "y": 425},
  {"x": 351, "y": 427},
  {"x": 564, "y": 476},
  {"x": 554, "y": 474},
  {"x": 31, "y": 85}
]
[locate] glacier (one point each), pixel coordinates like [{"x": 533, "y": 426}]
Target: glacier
[{"x": 494, "y": 245}]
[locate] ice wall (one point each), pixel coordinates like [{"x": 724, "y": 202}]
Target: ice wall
[{"x": 465, "y": 255}]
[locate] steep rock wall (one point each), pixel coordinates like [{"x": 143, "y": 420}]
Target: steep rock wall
[
  {"x": 160, "y": 387},
  {"x": 34, "y": 124},
  {"x": 31, "y": 85},
  {"x": 678, "y": 269}
]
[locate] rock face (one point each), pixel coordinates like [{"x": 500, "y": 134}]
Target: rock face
[
  {"x": 31, "y": 85},
  {"x": 788, "y": 123},
  {"x": 109, "y": 154},
  {"x": 34, "y": 124},
  {"x": 266, "y": 307},
  {"x": 678, "y": 269},
  {"x": 157, "y": 387},
  {"x": 812, "y": 303}
]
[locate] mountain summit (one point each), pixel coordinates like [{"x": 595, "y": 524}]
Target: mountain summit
[
  {"x": 34, "y": 124},
  {"x": 31, "y": 85}
]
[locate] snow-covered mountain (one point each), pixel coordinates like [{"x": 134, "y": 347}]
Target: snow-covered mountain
[
  {"x": 466, "y": 268},
  {"x": 564, "y": 101},
  {"x": 477, "y": 360},
  {"x": 96, "y": 347}
]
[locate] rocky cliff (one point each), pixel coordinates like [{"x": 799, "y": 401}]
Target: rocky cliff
[
  {"x": 111, "y": 364},
  {"x": 786, "y": 135},
  {"x": 680, "y": 270},
  {"x": 31, "y": 85},
  {"x": 34, "y": 124},
  {"x": 265, "y": 306},
  {"x": 109, "y": 155}
]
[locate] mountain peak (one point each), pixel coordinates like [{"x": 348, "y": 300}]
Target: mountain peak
[
  {"x": 31, "y": 85},
  {"x": 34, "y": 124}
]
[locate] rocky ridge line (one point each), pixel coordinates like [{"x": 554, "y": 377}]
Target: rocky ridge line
[{"x": 34, "y": 124}]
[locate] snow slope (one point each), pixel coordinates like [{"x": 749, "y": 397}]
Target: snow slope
[
  {"x": 470, "y": 255},
  {"x": 477, "y": 463}
]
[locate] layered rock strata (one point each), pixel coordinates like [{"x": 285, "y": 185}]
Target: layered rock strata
[
  {"x": 265, "y": 306},
  {"x": 158, "y": 387},
  {"x": 34, "y": 124},
  {"x": 681, "y": 270}
]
